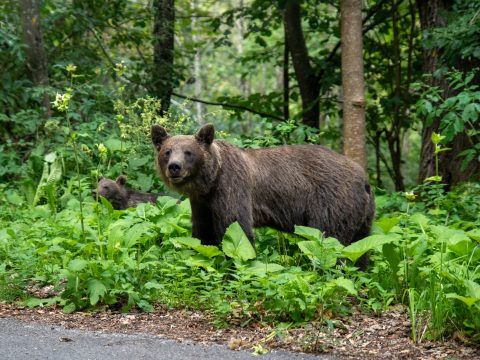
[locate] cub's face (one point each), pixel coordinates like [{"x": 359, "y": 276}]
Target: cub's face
[
  {"x": 180, "y": 158},
  {"x": 113, "y": 191}
]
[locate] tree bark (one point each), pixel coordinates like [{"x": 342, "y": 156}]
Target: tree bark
[
  {"x": 36, "y": 60},
  {"x": 430, "y": 12},
  {"x": 306, "y": 77},
  {"x": 197, "y": 69},
  {"x": 286, "y": 79},
  {"x": 353, "y": 82},
  {"x": 163, "y": 51}
]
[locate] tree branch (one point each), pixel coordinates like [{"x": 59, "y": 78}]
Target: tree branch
[{"x": 231, "y": 106}]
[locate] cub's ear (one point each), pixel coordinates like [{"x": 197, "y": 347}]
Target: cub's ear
[
  {"x": 159, "y": 135},
  {"x": 206, "y": 134},
  {"x": 121, "y": 180},
  {"x": 100, "y": 178}
]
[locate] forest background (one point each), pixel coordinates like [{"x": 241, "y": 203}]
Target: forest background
[{"x": 82, "y": 82}]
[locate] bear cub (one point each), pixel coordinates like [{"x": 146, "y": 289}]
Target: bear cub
[
  {"x": 279, "y": 187},
  {"x": 120, "y": 196}
]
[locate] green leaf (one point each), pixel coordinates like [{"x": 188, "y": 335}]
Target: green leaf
[
  {"x": 208, "y": 250},
  {"x": 469, "y": 301},
  {"x": 186, "y": 241},
  {"x": 392, "y": 257},
  {"x": 357, "y": 249},
  {"x": 77, "y": 264},
  {"x": 236, "y": 245},
  {"x": 308, "y": 232},
  {"x": 347, "y": 284},
  {"x": 386, "y": 224},
  {"x": 473, "y": 289},
  {"x": 96, "y": 289},
  {"x": 200, "y": 261},
  {"x": 113, "y": 144},
  {"x": 260, "y": 268},
  {"x": 420, "y": 219}
]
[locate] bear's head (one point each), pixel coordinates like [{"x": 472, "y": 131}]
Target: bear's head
[
  {"x": 113, "y": 191},
  {"x": 183, "y": 160}
]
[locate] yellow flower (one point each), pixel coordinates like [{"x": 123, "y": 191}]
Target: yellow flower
[
  {"x": 410, "y": 195},
  {"x": 71, "y": 68}
]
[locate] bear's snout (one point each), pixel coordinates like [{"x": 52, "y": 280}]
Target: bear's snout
[{"x": 174, "y": 168}]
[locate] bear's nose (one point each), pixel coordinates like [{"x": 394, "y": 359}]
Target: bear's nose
[{"x": 174, "y": 168}]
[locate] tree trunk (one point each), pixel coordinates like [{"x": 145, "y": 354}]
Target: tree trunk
[
  {"x": 36, "y": 59},
  {"x": 449, "y": 161},
  {"x": 197, "y": 70},
  {"x": 352, "y": 81},
  {"x": 307, "y": 80},
  {"x": 286, "y": 80},
  {"x": 163, "y": 46}
]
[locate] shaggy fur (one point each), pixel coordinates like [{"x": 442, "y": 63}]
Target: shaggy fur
[
  {"x": 120, "y": 196},
  {"x": 279, "y": 187}
]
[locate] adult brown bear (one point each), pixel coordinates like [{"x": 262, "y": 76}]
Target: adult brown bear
[{"x": 279, "y": 187}]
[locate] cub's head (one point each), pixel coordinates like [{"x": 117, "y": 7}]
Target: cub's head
[
  {"x": 113, "y": 190},
  {"x": 182, "y": 158}
]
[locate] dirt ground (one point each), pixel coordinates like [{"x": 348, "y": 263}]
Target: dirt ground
[{"x": 359, "y": 336}]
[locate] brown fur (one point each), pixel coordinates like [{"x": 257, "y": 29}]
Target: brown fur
[
  {"x": 279, "y": 187},
  {"x": 120, "y": 196}
]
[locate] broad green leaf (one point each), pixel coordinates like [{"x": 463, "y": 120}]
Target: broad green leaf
[
  {"x": 386, "y": 224},
  {"x": 308, "y": 232},
  {"x": 96, "y": 289},
  {"x": 200, "y": 261},
  {"x": 236, "y": 244},
  {"x": 208, "y": 250},
  {"x": 347, "y": 284},
  {"x": 186, "y": 241},
  {"x": 260, "y": 268},
  {"x": 357, "y": 249},
  {"x": 113, "y": 144},
  {"x": 50, "y": 157},
  {"x": 473, "y": 289},
  {"x": 460, "y": 243},
  {"x": 420, "y": 219},
  {"x": 77, "y": 264},
  {"x": 323, "y": 253},
  {"x": 469, "y": 301}
]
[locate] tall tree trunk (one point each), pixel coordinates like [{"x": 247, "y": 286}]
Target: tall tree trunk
[
  {"x": 286, "y": 80},
  {"x": 306, "y": 77},
  {"x": 163, "y": 51},
  {"x": 449, "y": 161},
  {"x": 352, "y": 81},
  {"x": 197, "y": 69},
  {"x": 36, "y": 60}
]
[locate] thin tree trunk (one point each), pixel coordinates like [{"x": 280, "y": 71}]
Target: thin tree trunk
[
  {"x": 306, "y": 77},
  {"x": 36, "y": 60},
  {"x": 352, "y": 81},
  {"x": 197, "y": 69},
  {"x": 286, "y": 80},
  {"x": 163, "y": 51}
]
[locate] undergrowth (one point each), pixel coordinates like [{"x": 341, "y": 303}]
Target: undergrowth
[{"x": 421, "y": 255}]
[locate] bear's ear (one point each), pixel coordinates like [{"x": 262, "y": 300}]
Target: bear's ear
[
  {"x": 100, "y": 178},
  {"x": 159, "y": 135},
  {"x": 206, "y": 134},
  {"x": 121, "y": 180}
]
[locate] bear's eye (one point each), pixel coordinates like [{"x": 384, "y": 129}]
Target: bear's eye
[
  {"x": 188, "y": 153},
  {"x": 168, "y": 152}
]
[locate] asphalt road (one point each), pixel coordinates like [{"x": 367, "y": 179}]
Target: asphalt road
[{"x": 20, "y": 340}]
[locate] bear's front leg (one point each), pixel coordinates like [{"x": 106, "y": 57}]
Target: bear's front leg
[
  {"x": 226, "y": 214},
  {"x": 202, "y": 223}
]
